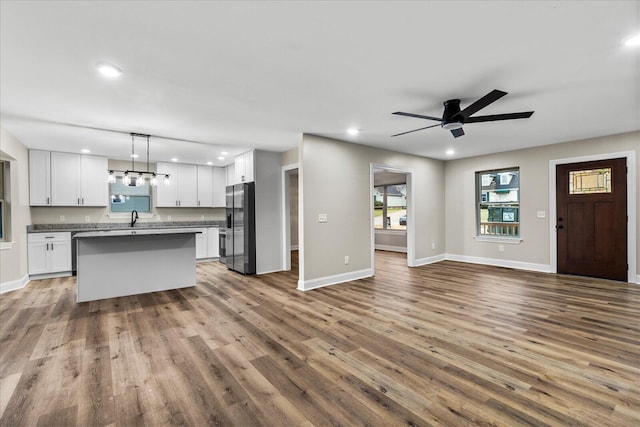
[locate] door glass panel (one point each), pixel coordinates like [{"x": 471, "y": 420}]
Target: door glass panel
[{"x": 590, "y": 181}]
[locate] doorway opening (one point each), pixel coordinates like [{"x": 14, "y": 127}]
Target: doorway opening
[
  {"x": 391, "y": 212},
  {"x": 290, "y": 217}
]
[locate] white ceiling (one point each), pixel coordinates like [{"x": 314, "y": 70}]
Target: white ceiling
[{"x": 232, "y": 76}]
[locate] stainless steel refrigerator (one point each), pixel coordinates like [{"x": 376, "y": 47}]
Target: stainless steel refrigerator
[{"x": 240, "y": 239}]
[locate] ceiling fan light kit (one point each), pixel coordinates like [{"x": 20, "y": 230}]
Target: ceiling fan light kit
[{"x": 453, "y": 118}]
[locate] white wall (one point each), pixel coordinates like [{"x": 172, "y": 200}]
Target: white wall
[
  {"x": 534, "y": 250},
  {"x": 13, "y": 256},
  {"x": 335, "y": 179}
]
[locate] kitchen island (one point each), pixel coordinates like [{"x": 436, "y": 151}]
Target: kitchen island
[{"x": 129, "y": 262}]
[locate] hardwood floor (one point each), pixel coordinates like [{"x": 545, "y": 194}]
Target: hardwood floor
[{"x": 445, "y": 344}]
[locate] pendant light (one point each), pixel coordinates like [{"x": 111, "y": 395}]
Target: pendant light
[{"x": 133, "y": 176}]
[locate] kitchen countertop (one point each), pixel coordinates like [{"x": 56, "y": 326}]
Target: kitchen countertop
[
  {"x": 113, "y": 226},
  {"x": 133, "y": 232}
]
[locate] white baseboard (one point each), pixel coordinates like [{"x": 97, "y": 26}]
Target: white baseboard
[
  {"x": 543, "y": 268},
  {"x": 306, "y": 285},
  {"x": 390, "y": 248},
  {"x": 637, "y": 282},
  {"x": 429, "y": 260},
  {"x": 14, "y": 284}
]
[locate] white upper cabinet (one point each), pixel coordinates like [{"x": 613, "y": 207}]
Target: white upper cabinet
[
  {"x": 205, "y": 186},
  {"x": 39, "y": 178},
  {"x": 244, "y": 169},
  {"x": 67, "y": 179},
  {"x": 230, "y": 171},
  {"x": 94, "y": 189},
  {"x": 219, "y": 187},
  {"x": 183, "y": 189}
]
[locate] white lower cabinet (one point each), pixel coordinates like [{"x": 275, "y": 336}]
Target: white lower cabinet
[
  {"x": 49, "y": 253},
  {"x": 214, "y": 243},
  {"x": 201, "y": 244},
  {"x": 207, "y": 244}
]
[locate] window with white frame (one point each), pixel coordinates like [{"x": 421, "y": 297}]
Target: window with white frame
[
  {"x": 390, "y": 207},
  {"x": 498, "y": 202},
  {"x": 125, "y": 197}
]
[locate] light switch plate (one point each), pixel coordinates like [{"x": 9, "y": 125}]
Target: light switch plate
[
  {"x": 323, "y": 217},
  {"x": 542, "y": 214}
]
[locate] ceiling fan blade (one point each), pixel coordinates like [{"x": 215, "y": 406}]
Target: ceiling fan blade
[
  {"x": 489, "y": 98},
  {"x": 457, "y": 132},
  {"x": 495, "y": 117},
  {"x": 400, "y": 113},
  {"x": 415, "y": 130}
]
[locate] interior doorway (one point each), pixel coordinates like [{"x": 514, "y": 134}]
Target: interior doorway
[
  {"x": 591, "y": 218},
  {"x": 391, "y": 212},
  {"x": 290, "y": 193}
]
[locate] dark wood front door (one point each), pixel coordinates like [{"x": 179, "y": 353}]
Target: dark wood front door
[{"x": 591, "y": 223}]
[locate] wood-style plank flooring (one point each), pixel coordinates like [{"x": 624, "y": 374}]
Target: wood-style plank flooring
[{"x": 445, "y": 344}]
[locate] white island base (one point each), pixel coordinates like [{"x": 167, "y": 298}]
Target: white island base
[{"x": 120, "y": 263}]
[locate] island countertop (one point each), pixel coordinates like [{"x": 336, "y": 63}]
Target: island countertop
[{"x": 133, "y": 232}]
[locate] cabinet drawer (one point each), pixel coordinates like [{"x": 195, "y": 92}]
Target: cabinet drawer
[{"x": 49, "y": 237}]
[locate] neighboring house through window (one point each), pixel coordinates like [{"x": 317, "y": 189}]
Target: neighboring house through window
[
  {"x": 498, "y": 202},
  {"x": 390, "y": 207}
]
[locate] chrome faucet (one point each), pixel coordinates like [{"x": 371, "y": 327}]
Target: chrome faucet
[{"x": 134, "y": 217}]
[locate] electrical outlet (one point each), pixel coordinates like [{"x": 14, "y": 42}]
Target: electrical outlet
[
  {"x": 201, "y": 216},
  {"x": 346, "y": 259},
  {"x": 168, "y": 217},
  {"x": 500, "y": 248},
  {"x": 62, "y": 219},
  {"x": 323, "y": 217},
  {"x": 87, "y": 218},
  {"x": 433, "y": 245}
]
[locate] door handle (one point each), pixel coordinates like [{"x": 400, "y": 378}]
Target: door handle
[{"x": 559, "y": 227}]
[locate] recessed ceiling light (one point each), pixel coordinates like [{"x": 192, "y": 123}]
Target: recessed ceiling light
[
  {"x": 632, "y": 41},
  {"x": 108, "y": 70},
  {"x": 173, "y": 159},
  {"x": 86, "y": 151},
  {"x": 451, "y": 152},
  {"x": 135, "y": 156},
  {"x": 220, "y": 158},
  {"x": 353, "y": 131},
  {"x": 209, "y": 163},
  {"x": 224, "y": 153}
]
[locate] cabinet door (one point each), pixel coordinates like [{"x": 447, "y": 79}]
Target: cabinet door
[
  {"x": 231, "y": 174},
  {"x": 201, "y": 244},
  {"x": 187, "y": 186},
  {"x": 65, "y": 182},
  {"x": 93, "y": 182},
  {"x": 213, "y": 235},
  {"x": 219, "y": 187},
  {"x": 205, "y": 186},
  {"x": 60, "y": 256},
  {"x": 167, "y": 195},
  {"x": 39, "y": 178},
  {"x": 38, "y": 257},
  {"x": 248, "y": 167},
  {"x": 239, "y": 169}
]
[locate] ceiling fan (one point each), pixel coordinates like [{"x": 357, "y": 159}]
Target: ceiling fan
[{"x": 453, "y": 118}]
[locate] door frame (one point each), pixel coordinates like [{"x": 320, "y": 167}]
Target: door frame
[
  {"x": 286, "y": 217},
  {"x": 632, "y": 275},
  {"x": 411, "y": 239}
]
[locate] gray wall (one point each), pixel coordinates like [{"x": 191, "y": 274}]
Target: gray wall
[
  {"x": 335, "y": 178},
  {"x": 13, "y": 261},
  {"x": 268, "y": 211},
  {"x": 534, "y": 179}
]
